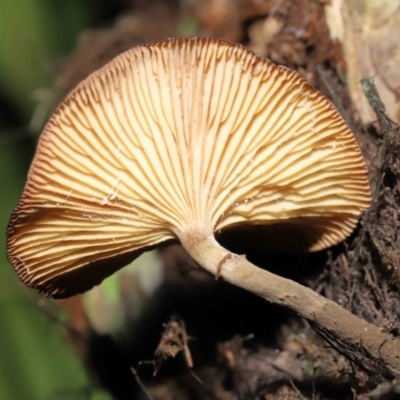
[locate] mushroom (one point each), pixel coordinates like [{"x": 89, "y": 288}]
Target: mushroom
[
  {"x": 182, "y": 140},
  {"x": 179, "y": 140}
]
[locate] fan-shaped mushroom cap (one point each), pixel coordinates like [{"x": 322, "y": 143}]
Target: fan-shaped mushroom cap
[{"x": 178, "y": 134}]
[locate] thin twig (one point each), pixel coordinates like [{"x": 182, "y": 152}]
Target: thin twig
[
  {"x": 385, "y": 124},
  {"x": 296, "y": 390},
  {"x": 139, "y": 382}
]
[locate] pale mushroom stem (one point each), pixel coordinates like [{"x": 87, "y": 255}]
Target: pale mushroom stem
[{"x": 332, "y": 319}]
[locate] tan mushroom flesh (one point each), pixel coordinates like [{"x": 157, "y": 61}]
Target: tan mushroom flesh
[{"x": 180, "y": 140}]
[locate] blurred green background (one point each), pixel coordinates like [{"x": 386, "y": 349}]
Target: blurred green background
[{"x": 35, "y": 360}]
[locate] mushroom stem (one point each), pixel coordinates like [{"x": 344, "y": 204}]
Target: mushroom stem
[{"x": 360, "y": 339}]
